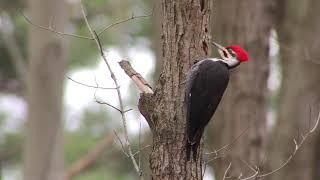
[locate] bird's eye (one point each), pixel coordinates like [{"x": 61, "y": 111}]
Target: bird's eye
[{"x": 233, "y": 54}]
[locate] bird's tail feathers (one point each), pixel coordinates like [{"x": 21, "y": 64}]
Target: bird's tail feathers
[
  {"x": 193, "y": 144},
  {"x": 192, "y": 148}
]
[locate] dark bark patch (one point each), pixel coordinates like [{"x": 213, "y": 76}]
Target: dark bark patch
[
  {"x": 205, "y": 47},
  {"x": 146, "y": 105},
  {"x": 202, "y": 5}
]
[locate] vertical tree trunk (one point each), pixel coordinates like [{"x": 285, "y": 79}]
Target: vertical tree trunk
[
  {"x": 185, "y": 39},
  {"x": 299, "y": 30},
  {"x": 44, "y": 143},
  {"x": 247, "y": 23}
]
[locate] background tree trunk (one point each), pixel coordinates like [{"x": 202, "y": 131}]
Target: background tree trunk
[
  {"x": 247, "y": 23},
  {"x": 299, "y": 30},
  {"x": 185, "y": 39},
  {"x": 44, "y": 143}
]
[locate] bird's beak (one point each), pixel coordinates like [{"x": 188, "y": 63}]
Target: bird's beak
[
  {"x": 218, "y": 46},
  {"x": 224, "y": 53}
]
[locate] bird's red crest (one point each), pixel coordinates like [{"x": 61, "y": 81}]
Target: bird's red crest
[{"x": 242, "y": 54}]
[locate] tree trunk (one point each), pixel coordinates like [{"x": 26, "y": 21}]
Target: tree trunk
[
  {"x": 247, "y": 23},
  {"x": 44, "y": 135},
  {"x": 299, "y": 29},
  {"x": 185, "y": 39}
]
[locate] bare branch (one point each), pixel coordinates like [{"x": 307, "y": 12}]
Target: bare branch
[
  {"x": 248, "y": 165},
  {"x": 122, "y": 21},
  {"x": 226, "y": 172},
  {"x": 231, "y": 143},
  {"x": 90, "y": 86},
  {"x": 140, "y": 82},
  {"x": 141, "y": 149},
  {"x": 122, "y": 146},
  {"x": 250, "y": 177},
  {"x": 52, "y": 30},
  {"x": 95, "y": 37},
  {"x": 105, "y": 103},
  {"x": 122, "y": 111},
  {"x": 316, "y": 125},
  {"x": 127, "y": 110},
  {"x": 297, "y": 147}
]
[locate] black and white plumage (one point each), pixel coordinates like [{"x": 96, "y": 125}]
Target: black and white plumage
[{"x": 206, "y": 82}]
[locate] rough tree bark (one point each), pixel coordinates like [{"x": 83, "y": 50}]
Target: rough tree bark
[
  {"x": 247, "y": 23},
  {"x": 185, "y": 39},
  {"x": 47, "y": 63},
  {"x": 298, "y": 29}
]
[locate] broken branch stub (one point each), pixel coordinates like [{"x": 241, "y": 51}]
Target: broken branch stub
[{"x": 140, "y": 82}]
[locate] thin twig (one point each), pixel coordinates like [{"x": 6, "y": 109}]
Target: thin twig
[
  {"x": 317, "y": 123},
  {"x": 95, "y": 37},
  {"x": 122, "y": 111},
  {"x": 204, "y": 169},
  {"x": 248, "y": 165},
  {"x": 90, "y": 86},
  {"x": 250, "y": 177},
  {"x": 122, "y": 146},
  {"x": 122, "y": 21},
  {"x": 105, "y": 103},
  {"x": 127, "y": 110},
  {"x": 52, "y": 30},
  {"x": 141, "y": 150},
  {"x": 226, "y": 172},
  {"x": 297, "y": 147},
  {"x": 229, "y": 144},
  {"x": 225, "y": 147}
]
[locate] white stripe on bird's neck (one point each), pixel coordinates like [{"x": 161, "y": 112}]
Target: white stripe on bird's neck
[{"x": 231, "y": 62}]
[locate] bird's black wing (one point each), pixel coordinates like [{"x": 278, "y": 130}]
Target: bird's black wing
[{"x": 206, "y": 83}]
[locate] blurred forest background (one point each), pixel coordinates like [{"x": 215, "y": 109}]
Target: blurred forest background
[{"x": 276, "y": 95}]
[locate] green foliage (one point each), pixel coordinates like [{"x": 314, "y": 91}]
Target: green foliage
[
  {"x": 96, "y": 121},
  {"x": 76, "y": 145},
  {"x": 92, "y": 6},
  {"x": 7, "y": 70},
  {"x": 92, "y": 128},
  {"x": 96, "y": 173},
  {"x": 82, "y": 52},
  {"x": 103, "y": 172},
  {"x": 6, "y": 66},
  {"x": 11, "y": 146},
  {"x": 2, "y": 118},
  {"x": 21, "y": 32}
]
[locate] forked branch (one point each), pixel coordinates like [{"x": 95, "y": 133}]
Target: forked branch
[
  {"x": 121, "y": 108},
  {"x": 297, "y": 146},
  {"x": 138, "y": 77}
]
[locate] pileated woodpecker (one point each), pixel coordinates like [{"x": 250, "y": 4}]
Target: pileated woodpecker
[{"x": 205, "y": 85}]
